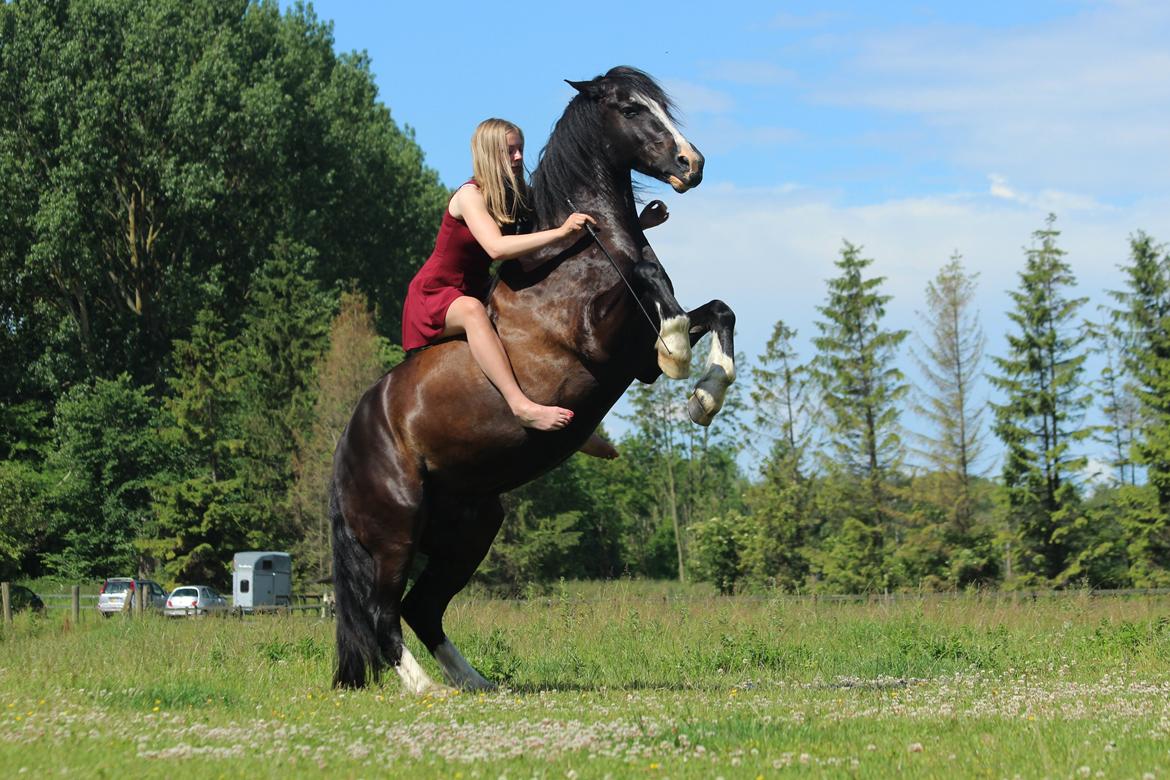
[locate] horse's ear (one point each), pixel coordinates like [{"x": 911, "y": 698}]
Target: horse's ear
[{"x": 586, "y": 88}]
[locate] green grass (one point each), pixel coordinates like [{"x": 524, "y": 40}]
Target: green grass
[{"x": 620, "y": 679}]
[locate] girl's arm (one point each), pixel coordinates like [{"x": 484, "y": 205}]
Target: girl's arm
[{"x": 468, "y": 205}]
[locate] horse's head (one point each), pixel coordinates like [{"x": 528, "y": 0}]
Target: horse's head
[{"x": 639, "y": 130}]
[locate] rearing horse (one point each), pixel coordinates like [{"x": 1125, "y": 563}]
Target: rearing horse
[{"x": 432, "y": 445}]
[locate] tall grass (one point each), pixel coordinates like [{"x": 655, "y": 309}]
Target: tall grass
[{"x": 625, "y": 679}]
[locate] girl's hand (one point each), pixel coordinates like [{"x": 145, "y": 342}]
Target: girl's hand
[
  {"x": 653, "y": 215},
  {"x": 576, "y": 223}
]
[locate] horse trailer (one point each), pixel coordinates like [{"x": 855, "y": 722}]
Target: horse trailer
[{"x": 261, "y": 579}]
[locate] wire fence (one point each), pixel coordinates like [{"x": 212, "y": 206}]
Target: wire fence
[
  {"x": 15, "y": 598},
  {"x": 321, "y": 604}
]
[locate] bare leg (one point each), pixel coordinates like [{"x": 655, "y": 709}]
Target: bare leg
[
  {"x": 598, "y": 447},
  {"x": 467, "y": 315}
]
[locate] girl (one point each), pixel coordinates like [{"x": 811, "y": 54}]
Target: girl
[{"x": 445, "y": 297}]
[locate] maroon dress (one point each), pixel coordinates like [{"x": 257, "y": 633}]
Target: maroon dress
[{"x": 458, "y": 266}]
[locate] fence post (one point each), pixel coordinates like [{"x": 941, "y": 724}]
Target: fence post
[
  {"x": 139, "y": 601},
  {"x": 5, "y": 597},
  {"x": 75, "y": 592}
]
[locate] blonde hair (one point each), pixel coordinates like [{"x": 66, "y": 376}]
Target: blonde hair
[{"x": 503, "y": 193}]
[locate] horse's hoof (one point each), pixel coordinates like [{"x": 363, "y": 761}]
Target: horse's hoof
[
  {"x": 480, "y": 686},
  {"x": 698, "y": 405}
]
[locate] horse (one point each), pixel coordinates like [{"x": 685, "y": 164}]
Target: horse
[{"x": 431, "y": 446}]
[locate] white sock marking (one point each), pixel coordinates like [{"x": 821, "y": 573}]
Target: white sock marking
[
  {"x": 675, "y": 335},
  {"x": 458, "y": 672},
  {"x": 413, "y": 676},
  {"x": 720, "y": 358}
]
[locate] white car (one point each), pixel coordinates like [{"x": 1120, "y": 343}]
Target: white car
[
  {"x": 194, "y": 600},
  {"x": 115, "y": 592}
]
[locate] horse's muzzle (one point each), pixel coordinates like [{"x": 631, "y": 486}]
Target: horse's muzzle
[{"x": 690, "y": 164}]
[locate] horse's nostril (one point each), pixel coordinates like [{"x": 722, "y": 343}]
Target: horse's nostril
[{"x": 684, "y": 161}]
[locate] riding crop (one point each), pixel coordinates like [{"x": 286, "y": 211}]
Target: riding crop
[{"x": 622, "y": 276}]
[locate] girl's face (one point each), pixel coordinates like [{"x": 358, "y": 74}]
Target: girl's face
[{"x": 515, "y": 152}]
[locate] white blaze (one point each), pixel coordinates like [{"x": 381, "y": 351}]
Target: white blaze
[{"x": 684, "y": 146}]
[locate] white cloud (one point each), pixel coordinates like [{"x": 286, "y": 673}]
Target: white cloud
[
  {"x": 1081, "y": 104},
  {"x": 1049, "y": 200}
]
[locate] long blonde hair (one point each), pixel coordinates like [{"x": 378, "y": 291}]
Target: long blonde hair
[{"x": 503, "y": 193}]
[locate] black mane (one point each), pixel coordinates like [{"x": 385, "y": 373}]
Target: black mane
[{"x": 575, "y": 157}]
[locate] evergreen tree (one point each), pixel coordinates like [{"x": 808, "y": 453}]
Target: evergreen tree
[
  {"x": 1119, "y": 403},
  {"x": 950, "y": 362},
  {"x": 782, "y": 404},
  {"x": 860, "y": 382},
  {"x": 285, "y": 332},
  {"x": 1040, "y": 420},
  {"x": 356, "y": 357},
  {"x": 1143, "y": 317},
  {"x": 201, "y": 515}
]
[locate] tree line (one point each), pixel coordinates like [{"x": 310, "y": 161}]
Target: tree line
[{"x": 207, "y": 225}]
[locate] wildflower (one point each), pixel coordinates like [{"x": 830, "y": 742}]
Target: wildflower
[{"x": 915, "y": 747}]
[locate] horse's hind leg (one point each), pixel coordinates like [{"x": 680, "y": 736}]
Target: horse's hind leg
[
  {"x": 458, "y": 538},
  {"x": 374, "y": 537}
]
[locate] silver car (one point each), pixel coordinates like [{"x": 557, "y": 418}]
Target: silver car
[
  {"x": 194, "y": 600},
  {"x": 116, "y": 590}
]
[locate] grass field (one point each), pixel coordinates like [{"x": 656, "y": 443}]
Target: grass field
[{"x": 619, "y": 680}]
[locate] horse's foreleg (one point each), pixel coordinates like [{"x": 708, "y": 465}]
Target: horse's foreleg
[
  {"x": 657, "y": 294},
  {"x": 458, "y": 540},
  {"x": 716, "y": 318}
]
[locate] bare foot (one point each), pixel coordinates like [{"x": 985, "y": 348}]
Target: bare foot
[
  {"x": 597, "y": 447},
  {"x": 543, "y": 418}
]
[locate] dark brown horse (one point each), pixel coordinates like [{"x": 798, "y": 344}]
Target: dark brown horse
[{"x": 432, "y": 445}]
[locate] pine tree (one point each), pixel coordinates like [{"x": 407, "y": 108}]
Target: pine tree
[
  {"x": 1040, "y": 420},
  {"x": 859, "y": 380},
  {"x": 1119, "y": 403},
  {"x": 200, "y": 507},
  {"x": 356, "y": 357},
  {"x": 783, "y": 415},
  {"x": 950, "y": 362},
  {"x": 286, "y": 330},
  {"x": 1144, "y": 319}
]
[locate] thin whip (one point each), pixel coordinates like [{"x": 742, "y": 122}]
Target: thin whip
[{"x": 622, "y": 276}]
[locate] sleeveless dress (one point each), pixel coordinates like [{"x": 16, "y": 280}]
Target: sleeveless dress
[{"x": 457, "y": 266}]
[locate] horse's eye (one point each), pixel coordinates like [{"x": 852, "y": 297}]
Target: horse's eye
[{"x": 631, "y": 111}]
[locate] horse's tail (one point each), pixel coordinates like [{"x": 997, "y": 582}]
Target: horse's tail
[{"x": 353, "y": 577}]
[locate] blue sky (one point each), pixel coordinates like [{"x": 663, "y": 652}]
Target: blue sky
[{"x": 915, "y": 130}]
